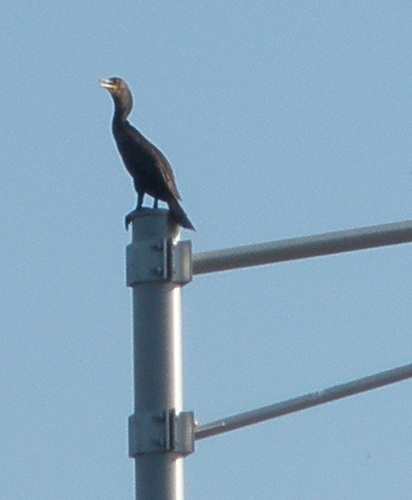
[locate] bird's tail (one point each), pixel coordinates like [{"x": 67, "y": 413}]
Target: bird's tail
[{"x": 179, "y": 215}]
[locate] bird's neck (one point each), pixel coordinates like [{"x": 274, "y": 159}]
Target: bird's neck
[
  {"x": 120, "y": 116},
  {"x": 122, "y": 109}
]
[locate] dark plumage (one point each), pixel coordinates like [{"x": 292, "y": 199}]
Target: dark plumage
[{"x": 151, "y": 172}]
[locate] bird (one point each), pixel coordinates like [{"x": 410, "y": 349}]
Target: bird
[{"x": 151, "y": 171}]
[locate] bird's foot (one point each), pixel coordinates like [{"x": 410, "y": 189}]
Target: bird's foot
[
  {"x": 133, "y": 214},
  {"x": 129, "y": 217}
]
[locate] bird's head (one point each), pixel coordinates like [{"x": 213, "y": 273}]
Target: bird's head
[
  {"x": 120, "y": 92},
  {"x": 114, "y": 85}
]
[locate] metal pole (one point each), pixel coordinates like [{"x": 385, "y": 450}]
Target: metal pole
[
  {"x": 302, "y": 248},
  {"x": 159, "y": 432},
  {"x": 307, "y": 401}
]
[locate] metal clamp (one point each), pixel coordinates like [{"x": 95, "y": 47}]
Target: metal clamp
[
  {"x": 165, "y": 432},
  {"x": 164, "y": 260}
]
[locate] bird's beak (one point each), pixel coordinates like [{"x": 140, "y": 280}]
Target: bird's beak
[{"x": 107, "y": 84}]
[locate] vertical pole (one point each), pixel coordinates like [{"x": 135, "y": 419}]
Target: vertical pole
[{"x": 157, "y": 349}]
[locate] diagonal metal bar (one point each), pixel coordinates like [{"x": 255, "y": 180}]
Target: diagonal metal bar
[
  {"x": 304, "y": 247},
  {"x": 300, "y": 403}
]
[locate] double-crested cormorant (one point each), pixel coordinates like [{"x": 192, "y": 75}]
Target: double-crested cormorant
[{"x": 151, "y": 172}]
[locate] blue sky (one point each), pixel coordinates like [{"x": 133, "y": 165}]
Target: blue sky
[{"x": 281, "y": 119}]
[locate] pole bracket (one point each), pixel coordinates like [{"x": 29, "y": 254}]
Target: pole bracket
[
  {"x": 167, "y": 431},
  {"x": 164, "y": 260}
]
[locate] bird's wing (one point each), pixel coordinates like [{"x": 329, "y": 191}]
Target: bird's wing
[{"x": 159, "y": 168}]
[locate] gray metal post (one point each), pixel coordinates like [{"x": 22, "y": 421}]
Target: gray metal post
[
  {"x": 304, "y": 247},
  {"x": 160, "y": 434},
  {"x": 303, "y": 402}
]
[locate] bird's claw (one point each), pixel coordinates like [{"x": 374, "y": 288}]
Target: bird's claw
[
  {"x": 128, "y": 219},
  {"x": 130, "y": 216}
]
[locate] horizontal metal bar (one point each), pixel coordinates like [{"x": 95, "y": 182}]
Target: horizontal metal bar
[
  {"x": 300, "y": 403},
  {"x": 304, "y": 247}
]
